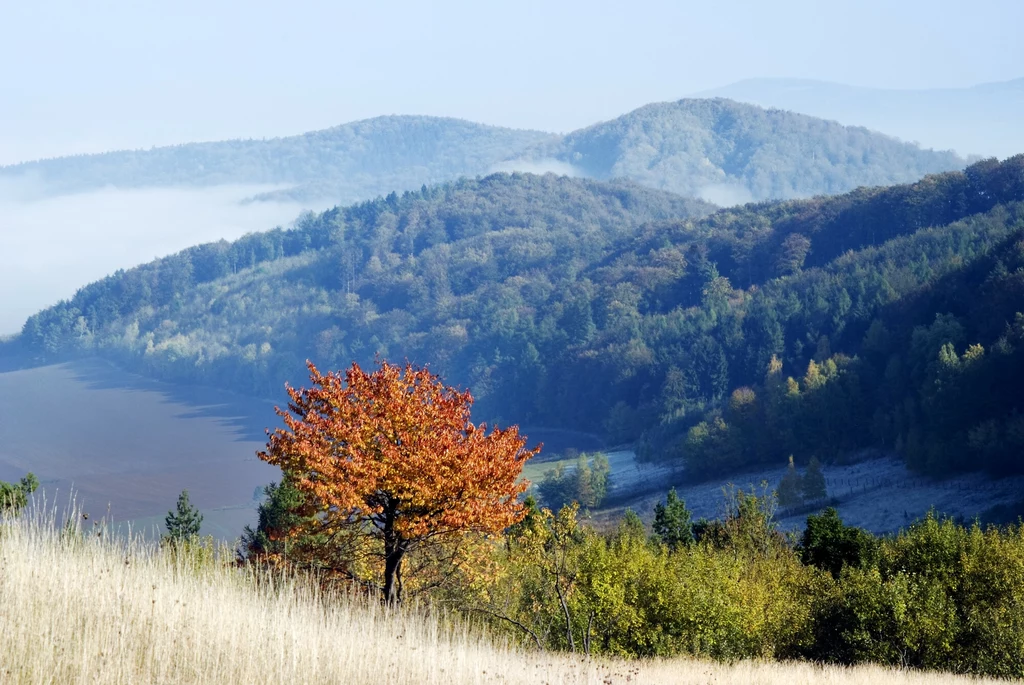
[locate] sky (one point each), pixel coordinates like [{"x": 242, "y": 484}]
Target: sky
[{"x": 99, "y": 75}]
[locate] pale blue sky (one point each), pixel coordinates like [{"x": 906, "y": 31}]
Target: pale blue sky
[{"x": 90, "y": 75}]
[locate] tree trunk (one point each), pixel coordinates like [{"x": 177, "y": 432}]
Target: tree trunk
[{"x": 394, "y": 551}]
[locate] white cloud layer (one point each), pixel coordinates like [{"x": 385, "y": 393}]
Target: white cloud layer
[{"x": 50, "y": 247}]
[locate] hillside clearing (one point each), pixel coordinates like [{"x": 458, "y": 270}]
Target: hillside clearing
[{"x": 879, "y": 493}]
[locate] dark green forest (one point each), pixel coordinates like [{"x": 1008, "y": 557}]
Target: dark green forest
[
  {"x": 886, "y": 317},
  {"x": 723, "y": 150},
  {"x": 731, "y": 152}
]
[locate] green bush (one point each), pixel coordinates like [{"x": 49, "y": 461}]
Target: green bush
[{"x": 14, "y": 496}]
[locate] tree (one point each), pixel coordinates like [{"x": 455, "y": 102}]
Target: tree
[
  {"x": 814, "y": 487},
  {"x": 673, "y": 522},
  {"x": 14, "y": 496},
  {"x": 829, "y": 544},
  {"x": 285, "y": 509},
  {"x": 791, "y": 255},
  {"x": 184, "y": 522},
  {"x": 391, "y": 461},
  {"x": 586, "y": 483},
  {"x": 790, "y": 491}
]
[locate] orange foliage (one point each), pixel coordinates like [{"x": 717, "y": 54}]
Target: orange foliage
[{"x": 394, "y": 454}]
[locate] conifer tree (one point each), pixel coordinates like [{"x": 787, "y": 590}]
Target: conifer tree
[
  {"x": 184, "y": 522},
  {"x": 673, "y": 522},
  {"x": 814, "y": 487}
]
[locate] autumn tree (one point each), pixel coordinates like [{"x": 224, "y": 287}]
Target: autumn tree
[{"x": 390, "y": 460}]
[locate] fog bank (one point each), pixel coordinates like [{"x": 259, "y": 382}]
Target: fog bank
[{"x": 51, "y": 247}]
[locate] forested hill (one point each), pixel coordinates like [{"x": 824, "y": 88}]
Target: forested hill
[
  {"x": 718, "y": 149},
  {"x": 982, "y": 119},
  {"x": 346, "y": 163},
  {"x": 885, "y": 317},
  {"x": 731, "y": 152}
]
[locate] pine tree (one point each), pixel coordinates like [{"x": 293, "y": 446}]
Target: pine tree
[
  {"x": 672, "y": 522},
  {"x": 814, "y": 482},
  {"x": 183, "y": 523}
]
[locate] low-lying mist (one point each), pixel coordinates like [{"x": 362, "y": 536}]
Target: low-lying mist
[{"x": 50, "y": 247}]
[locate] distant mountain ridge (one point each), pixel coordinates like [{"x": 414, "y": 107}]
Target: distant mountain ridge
[
  {"x": 730, "y": 152},
  {"x": 723, "y": 151},
  {"x": 349, "y": 162},
  {"x": 982, "y": 119}
]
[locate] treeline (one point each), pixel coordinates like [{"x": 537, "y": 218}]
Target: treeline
[
  {"x": 885, "y": 317},
  {"x": 459, "y": 275}
]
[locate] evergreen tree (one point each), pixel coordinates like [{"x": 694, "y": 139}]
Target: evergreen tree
[
  {"x": 790, "y": 491},
  {"x": 814, "y": 482},
  {"x": 673, "y": 522},
  {"x": 183, "y": 523}
]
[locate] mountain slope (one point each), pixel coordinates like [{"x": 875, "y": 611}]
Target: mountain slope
[
  {"x": 611, "y": 308},
  {"x": 982, "y": 119},
  {"x": 444, "y": 275},
  {"x": 342, "y": 164},
  {"x": 730, "y": 152}
]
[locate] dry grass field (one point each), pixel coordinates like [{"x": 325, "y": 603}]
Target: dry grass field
[{"x": 85, "y": 609}]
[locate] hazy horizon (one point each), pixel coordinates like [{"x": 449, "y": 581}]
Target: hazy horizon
[
  {"x": 125, "y": 76},
  {"x": 705, "y": 93}
]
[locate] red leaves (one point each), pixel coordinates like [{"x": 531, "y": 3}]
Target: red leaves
[{"x": 398, "y": 439}]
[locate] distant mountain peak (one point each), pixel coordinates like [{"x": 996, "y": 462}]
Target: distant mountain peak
[{"x": 731, "y": 152}]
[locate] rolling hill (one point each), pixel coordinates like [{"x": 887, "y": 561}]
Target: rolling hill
[
  {"x": 982, "y": 119},
  {"x": 729, "y": 152},
  {"x": 344, "y": 164}
]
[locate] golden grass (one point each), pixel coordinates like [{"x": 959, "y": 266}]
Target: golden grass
[{"x": 79, "y": 609}]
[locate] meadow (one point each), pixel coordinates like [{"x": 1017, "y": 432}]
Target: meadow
[{"x": 82, "y": 607}]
